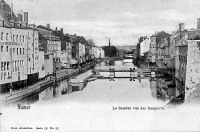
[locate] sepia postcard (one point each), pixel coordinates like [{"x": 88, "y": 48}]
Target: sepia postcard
[{"x": 99, "y": 65}]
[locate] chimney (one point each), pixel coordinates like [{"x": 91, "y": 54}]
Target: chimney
[
  {"x": 181, "y": 26},
  {"x": 26, "y": 17},
  {"x": 198, "y": 23},
  {"x": 2, "y": 4},
  {"x": 61, "y": 30},
  {"x": 48, "y": 25},
  {"x": 19, "y": 16}
]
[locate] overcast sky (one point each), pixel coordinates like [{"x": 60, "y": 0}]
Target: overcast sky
[{"x": 123, "y": 21}]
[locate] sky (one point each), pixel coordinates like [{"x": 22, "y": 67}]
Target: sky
[{"x": 122, "y": 21}]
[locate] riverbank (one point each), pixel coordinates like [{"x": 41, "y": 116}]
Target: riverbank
[{"x": 61, "y": 75}]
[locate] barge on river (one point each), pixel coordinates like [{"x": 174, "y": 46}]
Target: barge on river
[{"x": 79, "y": 82}]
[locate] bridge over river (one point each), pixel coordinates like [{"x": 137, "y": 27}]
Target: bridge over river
[{"x": 131, "y": 73}]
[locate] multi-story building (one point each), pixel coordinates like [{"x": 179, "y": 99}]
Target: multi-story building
[
  {"x": 87, "y": 50},
  {"x": 179, "y": 51},
  {"x": 53, "y": 42},
  {"x": 65, "y": 47},
  {"x": 41, "y": 65},
  {"x": 19, "y": 52},
  {"x": 81, "y": 53},
  {"x": 48, "y": 65},
  {"x": 102, "y": 52},
  {"x": 53, "y": 45},
  {"x": 164, "y": 47},
  {"x": 95, "y": 51},
  {"x": 160, "y": 42},
  {"x": 152, "y": 50},
  {"x": 144, "y": 45},
  {"x": 69, "y": 53}
]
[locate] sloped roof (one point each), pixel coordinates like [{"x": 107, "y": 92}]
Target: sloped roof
[
  {"x": 161, "y": 35},
  {"x": 44, "y": 28},
  {"x": 193, "y": 34},
  {"x": 146, "y": 52},
  {"x": 45, "y": 33},
  {"x": 4, "y": 10},
  {"x": 50, "y": 32}
]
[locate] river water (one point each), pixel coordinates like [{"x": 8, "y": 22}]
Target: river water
[{"x": 143, "y": 91}]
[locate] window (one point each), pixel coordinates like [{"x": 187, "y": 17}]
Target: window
[
  {"x": 4, "y": 66},
  {"x": 1, "y": 35},
  {"x": 13, "y": 50},
  {"x": 6, "y": 48},
  {"x": 17, "y": 51},
  {"x": 13, "y": 38},
  {"x": 6, "y": 36},
  {"x": 1, "y": 48},
  {"x": 4, "y": 75},
  {"x": 12, "y": 66},
  {"x": 23, "y": 51},
  {"x": 20, "y": 38},
  {"x": 17, "y": 38},
  {"x": 23, "y": 38},
  {"x": 20, "y": 51},
  {"x": 1, "y": 66},
  {"x": 8, "y": 65}
]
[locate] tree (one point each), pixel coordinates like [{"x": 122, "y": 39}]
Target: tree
[
  {"x": 91, "y": 42},
  {"x": 110, "y": 51}
]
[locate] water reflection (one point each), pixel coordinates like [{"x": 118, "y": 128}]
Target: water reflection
[{"x": 166, "y": 89}]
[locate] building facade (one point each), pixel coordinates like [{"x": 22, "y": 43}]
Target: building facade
[{"x": 19, "y": 52}]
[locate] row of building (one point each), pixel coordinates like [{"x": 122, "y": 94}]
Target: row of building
[
  {"x": 29, "y": 52},
  {"x": 178, "y": 52}
]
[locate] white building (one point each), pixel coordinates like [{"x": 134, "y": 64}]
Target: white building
[
  {"x": 95, "y": 51},
  {"x": 19, "y": 52},
  {"x": 48, "y": 64},
  {"x": 15, "y": 52},
  {"x": 144, "y": 46},
  {"x": 41, "y": 67},
  {"x": 152, "y": 49},
  {"x": 102, "y": 53}
]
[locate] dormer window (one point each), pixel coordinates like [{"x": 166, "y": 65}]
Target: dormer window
[{"x": 8, "y": 15}]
